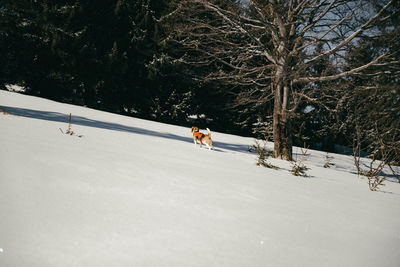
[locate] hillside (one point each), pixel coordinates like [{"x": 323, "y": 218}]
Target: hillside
[{"x": 131, "y": 192}]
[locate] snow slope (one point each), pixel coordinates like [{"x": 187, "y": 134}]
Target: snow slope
[{"x": 132, "y": 192}]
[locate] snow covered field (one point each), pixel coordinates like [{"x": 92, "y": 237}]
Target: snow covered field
[{"x": 132, "y": 192}]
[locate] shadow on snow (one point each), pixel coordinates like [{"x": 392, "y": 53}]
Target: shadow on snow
[{"x": 78, "y": 120}]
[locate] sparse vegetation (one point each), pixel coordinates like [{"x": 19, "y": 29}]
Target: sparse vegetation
[
  {"x": 298, "y": 166},
  {"x": 328, "y": 161},
  {"x": 263, "y": 154},
  {"x": 4, "y": 111},
  {"x": 375, "y": 180},
  {"x": 386, "y": 154},
  {"x": 69, "y": 130}
]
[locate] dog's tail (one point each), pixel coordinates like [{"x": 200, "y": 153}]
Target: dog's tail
[{"x": 211, "y": 142}]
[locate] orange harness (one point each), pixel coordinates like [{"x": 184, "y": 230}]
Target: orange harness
[{"x": 199, "y": 136}]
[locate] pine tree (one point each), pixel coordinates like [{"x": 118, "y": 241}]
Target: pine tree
[{"x": 372, "y": 105}]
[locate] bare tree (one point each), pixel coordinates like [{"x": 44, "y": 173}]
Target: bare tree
[{"x": 267, "y": 46}]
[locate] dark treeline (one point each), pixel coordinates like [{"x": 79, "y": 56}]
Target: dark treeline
[
  {"x": 119, "y": 56},
  {"x": 108, "y": 55}
]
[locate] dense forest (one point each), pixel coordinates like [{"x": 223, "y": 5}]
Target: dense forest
[{"x": 315, "y": 73}]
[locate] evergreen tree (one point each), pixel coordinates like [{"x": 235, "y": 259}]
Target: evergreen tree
[
  {"x": 31, "y": 30},
  {"x": 370, "y": 112}
]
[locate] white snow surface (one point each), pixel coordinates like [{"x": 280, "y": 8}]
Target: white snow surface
[{"x": 132, "y": 192}]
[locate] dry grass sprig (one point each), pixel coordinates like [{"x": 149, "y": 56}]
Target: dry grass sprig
[
  {"x": 4, "y": 111},
  {"x": 328, "y": 162},
  {"x": 298, "y": 166},
  {"x": 69, "y": 130},
  {"x": 263, "y": 155}
]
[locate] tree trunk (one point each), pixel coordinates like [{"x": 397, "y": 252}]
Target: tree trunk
[
  {"x": 282, "y": 135},
  {"x": 281, "y": 118}
]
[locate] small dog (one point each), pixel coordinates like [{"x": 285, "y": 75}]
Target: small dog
[{"x": 200, "y": 137}]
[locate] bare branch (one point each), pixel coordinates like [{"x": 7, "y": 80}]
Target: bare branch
[
  {"x": 353, "y": 35},
  {"x": 340, "y": 75}
]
